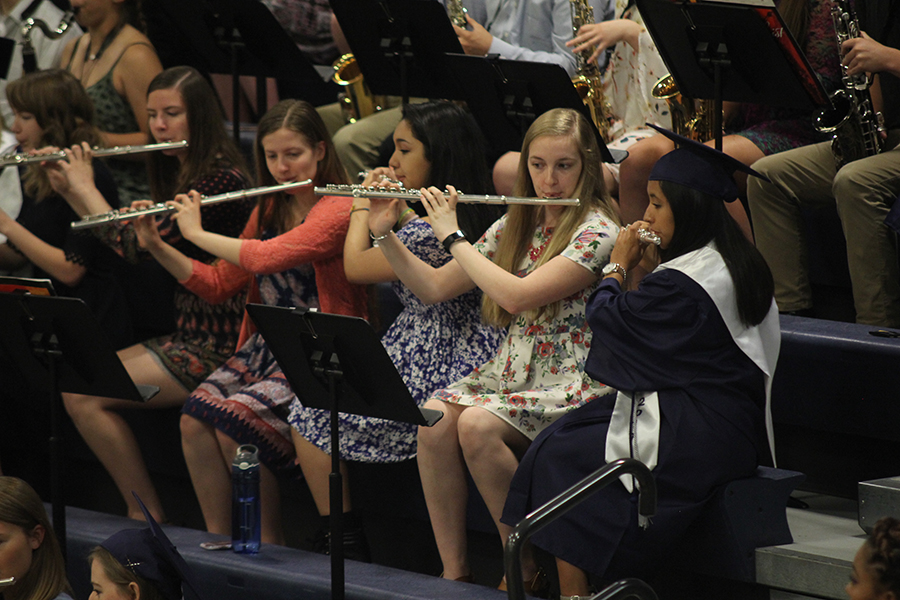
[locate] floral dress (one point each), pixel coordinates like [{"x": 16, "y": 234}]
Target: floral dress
[
  {"x": 431, "y": 346},
  {"x": 538, "y": 375}
]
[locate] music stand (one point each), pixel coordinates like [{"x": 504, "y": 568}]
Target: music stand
[
  {"x": 337, "y": 363},
  {"x": 239, "y": 37},
  {"x": 506, "y": 96},
  {"x": 57, "y": 345},
  {"x": 726, "y": 50},
  {"x": 400, "y": 45}
]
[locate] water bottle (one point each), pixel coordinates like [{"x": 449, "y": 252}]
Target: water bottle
[{"x": 245, "y": 525}]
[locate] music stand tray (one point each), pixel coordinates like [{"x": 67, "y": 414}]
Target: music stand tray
[
  {"x": 337, "y": 363},
  {"x": 764, "y": 63},
  {"x": 370, "y": 386},
  {"x": 400, "y": 45},
  {"x": 506, "y": 96}
]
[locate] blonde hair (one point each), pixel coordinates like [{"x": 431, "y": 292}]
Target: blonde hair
[
  {"x": 522, "y": 220},
  {"x": 21, "y": 507}
]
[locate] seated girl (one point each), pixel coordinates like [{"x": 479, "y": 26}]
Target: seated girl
[
  {"x": 291, "y": 252},
  {"x": 694, "y": 347},
  {"x": 182, "y": 106},
  {"x": 536, "y": 266},
  {"x": 431, "y": 345},
  {"x": 52, "y": 109}
]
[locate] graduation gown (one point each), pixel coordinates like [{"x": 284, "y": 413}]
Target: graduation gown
[{"x": 668, "y": 336}]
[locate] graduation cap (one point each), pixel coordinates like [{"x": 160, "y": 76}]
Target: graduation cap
[
  {"x": 150, "y": 554},
  {"x": 699, "y": 167}
]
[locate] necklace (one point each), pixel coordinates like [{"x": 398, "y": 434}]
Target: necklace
[{"x": 107, "y": 41}]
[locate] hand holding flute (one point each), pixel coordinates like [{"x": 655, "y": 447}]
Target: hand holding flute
[{"x": 73, "y": 179}]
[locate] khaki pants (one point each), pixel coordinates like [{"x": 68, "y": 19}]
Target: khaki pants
[{"x": 863, "y": 192}]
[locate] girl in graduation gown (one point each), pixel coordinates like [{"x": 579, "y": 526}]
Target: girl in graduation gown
[{"x": 694, "y": 347}]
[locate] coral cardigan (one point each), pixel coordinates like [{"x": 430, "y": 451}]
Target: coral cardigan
[{"x": 318, "y": 240}]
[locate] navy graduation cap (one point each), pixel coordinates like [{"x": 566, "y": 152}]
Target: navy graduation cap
[
  {"x": 150, "y": 554},
  {"x": 699, "y": 167}
]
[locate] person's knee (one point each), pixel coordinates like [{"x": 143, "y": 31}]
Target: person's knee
[
  {"x": 479, "y": 431},
  {"x": 80, "y": 407},
  {"x": 191, "y": 428},
  {"x": 505, "y": 171}
]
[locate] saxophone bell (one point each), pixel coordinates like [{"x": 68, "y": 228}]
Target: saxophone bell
[
  {"x": 690, "y": 118},
  {"x": 357, "y": 102}
]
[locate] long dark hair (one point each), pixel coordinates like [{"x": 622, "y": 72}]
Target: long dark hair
[
  {"x": 300, "y": 117},
  {"x": 700, "y": 219},
  {"x": 62, "y": 109},
  {"x": 209, "y": 146},
  {"x": 455, "y": 149}
]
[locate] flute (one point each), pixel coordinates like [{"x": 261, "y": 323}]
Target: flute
[
  {"x": 125, "y": 214},
  {"x": 23, "y": 158},
  {"x": 7, "y": 582},
  {"x": 649, "y": 237},
  {"x": 360, "y": 191}
]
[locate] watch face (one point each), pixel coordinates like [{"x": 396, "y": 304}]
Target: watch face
[{"x": 609, "y": 268}]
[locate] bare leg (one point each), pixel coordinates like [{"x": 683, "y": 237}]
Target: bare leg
[
  {"x": 210, "y": 473},
  {"x": 506, "y": 169},
  {"x": 110, "y": 437},
  {"x": 492, "y": 448},
  {"x": 445, "y": 484},
  {"x": 572, "y": 580},
  {"x": 316, "y": 467}
]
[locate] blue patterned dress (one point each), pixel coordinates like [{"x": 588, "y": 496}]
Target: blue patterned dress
[
  {"x": 247, "y": 398},
  {"x": 431, "y": 346}
]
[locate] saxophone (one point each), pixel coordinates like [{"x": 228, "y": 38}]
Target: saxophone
[
  {"x": 29, "y": 60},
  {"x": 457, "y": 13},
  {"x": 852, "y": 121},
  {"x": 587, "y": 79},
  {"x": 691, "y": 118}
]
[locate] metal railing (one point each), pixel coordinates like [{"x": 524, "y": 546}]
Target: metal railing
[{"x": 566, "y": 501}]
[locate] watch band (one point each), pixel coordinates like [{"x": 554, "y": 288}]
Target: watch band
[
  {"x": 614, "y": 268},
  {"x": 452, "y": 239}
]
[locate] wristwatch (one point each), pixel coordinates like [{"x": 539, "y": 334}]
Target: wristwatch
[
  {"x": 611, "y": 268},
  {"x": 452, "y": 239}
]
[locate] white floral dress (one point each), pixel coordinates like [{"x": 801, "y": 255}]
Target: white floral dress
[{"x": 538, "y": 374}]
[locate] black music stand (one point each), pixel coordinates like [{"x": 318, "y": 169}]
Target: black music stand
[
  {"x": 337, "y": 363},
  {"x": 506, "y": 96},
  {"x": 727, "y": 50},
  {"x": 238, "y": 37},
  {"x": 400, "y": 45},
  {"x": 57, "y": 345}
]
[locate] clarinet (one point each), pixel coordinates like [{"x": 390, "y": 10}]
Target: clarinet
[{"x": 852, "y": 121}]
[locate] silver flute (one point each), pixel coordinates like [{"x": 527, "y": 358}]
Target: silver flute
[
  {"x": 7, "y": 582},
  {"x": 23, "y": 158},
  {"x": 160, "y": 208},
  {"x": 649, "y": 237},
  {"x": 361, "y": 191}
]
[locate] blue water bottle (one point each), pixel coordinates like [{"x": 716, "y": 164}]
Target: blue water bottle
[{"x": 245, "y": 526}]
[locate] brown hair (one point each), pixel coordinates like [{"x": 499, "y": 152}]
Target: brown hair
[
  {"x": 120, "y": 576},
  {"x": 21, "y": 507},
  {"x": 209, "y": 145},
  {"x": 884, "y": 558},
  {"x": 62, "y": 109},
  {"x": 522, "y": 220},
  {"x": 300, "y": 117}
]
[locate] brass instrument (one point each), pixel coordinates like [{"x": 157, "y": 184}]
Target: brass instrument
[
  {"x": 126, "y": 214},
  {"x": 23, "y": 158},
  {"x": 358, "y": 101},
  {"x": 852, "y": 120},
  {"x": 693, "y": 119},
  {"x": 361, "y": 191},
  {"x": 587, "y": 79},
  {"x": 457, "y": 13},
  {"x": 29, "y": 60}
]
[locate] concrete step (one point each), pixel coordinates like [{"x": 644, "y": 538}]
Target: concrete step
[{"x": 817, "y": 564}]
